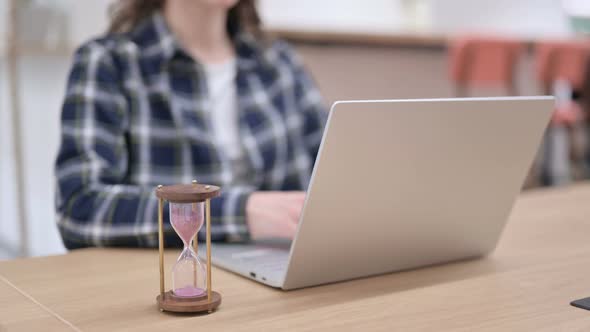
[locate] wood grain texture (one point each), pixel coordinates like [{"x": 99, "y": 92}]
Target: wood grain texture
[
  {"x": 18, "y": 313},
  {"x": 172, "y": 303},
  {"x": 540, "y": 265},
  {"x": 187, "y": 193}
]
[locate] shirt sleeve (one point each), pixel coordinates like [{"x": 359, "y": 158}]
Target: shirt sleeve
[
  {"x": 95, "y": 203},
  {"x": 308, "y": 98}
]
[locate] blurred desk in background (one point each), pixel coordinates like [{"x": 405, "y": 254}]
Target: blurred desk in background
[
  {"x": 401, "y": 39},
  {"x": 540, "y": 265},
  {"x": 414, "y": 39}
]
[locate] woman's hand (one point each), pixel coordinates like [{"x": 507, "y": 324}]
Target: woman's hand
[
  {"x": 567, "y": 114},
  {"x": 274, "y": 213}
]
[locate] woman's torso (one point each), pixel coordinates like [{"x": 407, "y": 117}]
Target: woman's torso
[{"x": 170, "y": 132}]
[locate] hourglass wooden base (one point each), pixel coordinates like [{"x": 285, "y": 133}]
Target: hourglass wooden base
[{"x": 173, "y": 303}]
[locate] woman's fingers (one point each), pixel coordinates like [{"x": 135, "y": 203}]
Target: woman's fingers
[
  {"x": 274, "y": 214},
  {"x": 297, "y": 196},
  {"x": 294, "y": 211},
  {"x": 289, "y": 230}
]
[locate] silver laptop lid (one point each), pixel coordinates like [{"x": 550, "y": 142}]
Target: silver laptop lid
[{"x": 400, "y": 184}]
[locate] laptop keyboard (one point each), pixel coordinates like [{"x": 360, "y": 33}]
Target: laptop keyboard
[{"x": 266, "y": 260}]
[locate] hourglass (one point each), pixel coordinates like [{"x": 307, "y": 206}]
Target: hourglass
[{"x": 189, "y": 206}]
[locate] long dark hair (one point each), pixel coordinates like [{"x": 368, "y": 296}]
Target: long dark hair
[{"x": 126, "y": 14}]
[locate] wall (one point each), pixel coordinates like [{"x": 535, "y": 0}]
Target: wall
[
  {"x": 526, "y": 18},
  {"x": 42, "y": 86},
  {"x": 530, "y": 18}
]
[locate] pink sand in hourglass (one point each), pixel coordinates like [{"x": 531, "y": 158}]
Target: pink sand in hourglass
[
  {"x": 189, "y": 291},
  {"x": 185, "y": 221}
]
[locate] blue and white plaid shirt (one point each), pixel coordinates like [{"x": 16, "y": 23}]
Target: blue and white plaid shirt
[{"x": 136, "y": 115}]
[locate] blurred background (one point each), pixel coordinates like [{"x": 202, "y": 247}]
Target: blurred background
[{"x": 383, "y": 49}]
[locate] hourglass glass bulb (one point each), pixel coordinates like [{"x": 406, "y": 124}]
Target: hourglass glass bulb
[{"x": 188, "y": 274}]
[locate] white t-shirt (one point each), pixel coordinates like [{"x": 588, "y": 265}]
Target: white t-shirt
[{"x": 224, "y": 107}]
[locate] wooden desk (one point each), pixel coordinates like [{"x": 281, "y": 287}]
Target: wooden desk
[
  {"x": 541, "y": 264},
  {"x": 401, "y": 39},
  {"x": 19, "y": 313}
]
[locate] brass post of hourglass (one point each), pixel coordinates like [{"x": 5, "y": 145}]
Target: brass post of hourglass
[
  {"x": 195, "y": 241},
  {"x": 161, "y": 241},
  {"x": 208, "y": 220}
]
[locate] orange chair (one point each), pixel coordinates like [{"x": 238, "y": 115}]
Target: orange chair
[
  {"x": 563, "y": 61},
  {"x": 484, "y": 62},
  {"x": 566, "y": 60}
]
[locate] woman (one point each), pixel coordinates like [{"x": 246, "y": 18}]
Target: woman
[{"x": 181, "y": 90}]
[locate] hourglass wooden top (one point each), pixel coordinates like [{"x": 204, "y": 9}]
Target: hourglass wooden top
[{"x": 187, "y": 193}]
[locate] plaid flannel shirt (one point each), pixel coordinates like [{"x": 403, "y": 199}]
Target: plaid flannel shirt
[{"x": 135, "y": 116}]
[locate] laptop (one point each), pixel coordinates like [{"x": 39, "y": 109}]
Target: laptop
[{"x": 402, "y": 184}]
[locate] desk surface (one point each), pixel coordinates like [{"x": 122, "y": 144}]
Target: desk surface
[
  {"x": 540, "y": 265},
  {"x": 20, "y": 313}
]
